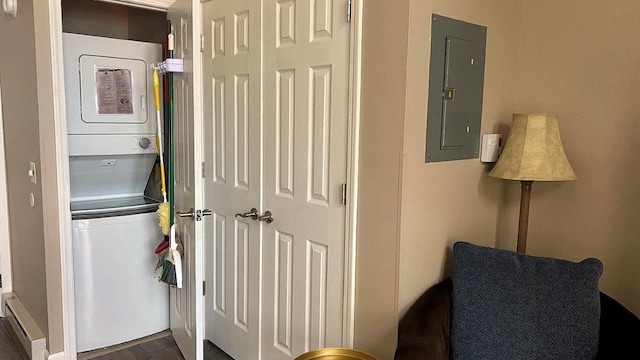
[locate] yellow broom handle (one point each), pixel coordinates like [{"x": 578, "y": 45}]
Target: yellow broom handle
[
  {"x": 156, "y": 88},
  {"x": 164, "y": 186},
  {"x": 156, "y": 91}
]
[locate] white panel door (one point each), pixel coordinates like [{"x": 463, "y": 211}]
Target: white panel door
[
  {"x": 306, "y": 57},
  {"x": 276, "y": 90},
  {"x": 186, "y": 310},
  {"x": 231, "y": 67}
]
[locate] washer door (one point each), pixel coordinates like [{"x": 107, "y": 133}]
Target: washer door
[{"x": 118, "y": 297}]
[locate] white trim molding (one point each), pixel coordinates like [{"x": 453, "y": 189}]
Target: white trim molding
[
  {"x": 62, "y": 174},
  {"x": 5, "y": 243},
  {"x": 56, "y": 356},
  {"x": 355, "y": 71}
]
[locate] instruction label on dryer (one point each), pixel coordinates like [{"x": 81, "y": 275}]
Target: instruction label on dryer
[{"x": 114, "y": 91}]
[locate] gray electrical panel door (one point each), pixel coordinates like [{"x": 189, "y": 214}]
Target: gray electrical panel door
[{"x": 456, "y": 81}]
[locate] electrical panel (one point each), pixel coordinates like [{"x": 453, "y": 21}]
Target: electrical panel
[{"x": 456, "y": 81}]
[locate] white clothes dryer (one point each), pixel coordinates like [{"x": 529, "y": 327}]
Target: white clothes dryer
[{"x": 108, "y": 85}]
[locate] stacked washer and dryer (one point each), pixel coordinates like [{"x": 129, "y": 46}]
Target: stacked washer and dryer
[{"x": 112, "y": 152}]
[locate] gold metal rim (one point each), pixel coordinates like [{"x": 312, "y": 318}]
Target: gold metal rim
[{"x": 336, "y": 353}]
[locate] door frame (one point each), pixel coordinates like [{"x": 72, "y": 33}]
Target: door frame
[
  {"x": 61, "y": 150},
  {"x": 353, "y": 173},
  {"x": 5, "y": 244},
  {"x": 64, "y": 197},
  {"x": 54, "y": 11}
]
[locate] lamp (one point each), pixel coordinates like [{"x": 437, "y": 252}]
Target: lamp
[{"x": 533, "y": 152}]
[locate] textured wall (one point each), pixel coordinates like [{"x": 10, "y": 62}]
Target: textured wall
[
  {"x": 580, "y": 59},
  {"x": 384, "y": 62},
  {"x": 456, "y": 200},
  {"x": 411, "y": 212}
]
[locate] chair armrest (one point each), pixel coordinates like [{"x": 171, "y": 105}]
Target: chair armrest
[
  {"x": 424, "y": 331},
  {"x": 619, "y": 331}
]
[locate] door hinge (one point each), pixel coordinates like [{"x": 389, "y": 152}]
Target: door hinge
[
  {"x": 349, "y": 7},
  {"x": 204, "y": 288},
  {"x": 203, "y": 171},
  {"x": 201, "y": 43},
  {"x": 344, "y": 194}
]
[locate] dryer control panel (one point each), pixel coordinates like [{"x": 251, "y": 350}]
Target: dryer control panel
[{"x": 91, "y": 145}]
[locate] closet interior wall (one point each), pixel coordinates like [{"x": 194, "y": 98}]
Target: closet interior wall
[{"x": 113, "y": 21}]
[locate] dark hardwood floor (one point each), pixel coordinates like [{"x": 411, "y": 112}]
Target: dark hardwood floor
[
  {"x": 9, "y": 348},
  {"x": 163, "y": 348}
]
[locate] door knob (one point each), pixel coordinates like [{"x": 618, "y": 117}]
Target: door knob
[
  {"x": 267, "y": 217},
  {"x": 253, "y": 214},
  {"x": 191, "y": 213},
  {"x": 194, "y": 214},
  {"x": 201, "y": 213}
]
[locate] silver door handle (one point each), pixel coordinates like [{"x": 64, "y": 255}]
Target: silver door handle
[
  {"x": 191, "y": 213},
  {"x": 253, "y": 214},
  {"x": 195, "y": 214},
  {"x": 201, "y": 213},
  {"x": 267, "y": 217},
  {"x": 207, "y": 212}
]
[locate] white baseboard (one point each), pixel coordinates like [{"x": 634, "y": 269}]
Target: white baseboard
[
  {"x": 56, "y": 356},
  {"x": 25, "y": 328}
]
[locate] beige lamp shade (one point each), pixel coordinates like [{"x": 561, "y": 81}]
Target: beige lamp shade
[{"x": 534, "y": 151}]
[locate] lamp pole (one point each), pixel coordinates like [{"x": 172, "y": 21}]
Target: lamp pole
[{"x": 523, "y": 224}]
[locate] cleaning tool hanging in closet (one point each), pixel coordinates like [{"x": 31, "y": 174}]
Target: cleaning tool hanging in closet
[
  {"x": 172, "y": 265},
  {"x": 170, "y": 116},
  {"x": 163, "y": 209}
]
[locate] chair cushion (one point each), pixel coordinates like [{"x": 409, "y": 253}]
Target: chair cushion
[{"x": 507, "y": 305}]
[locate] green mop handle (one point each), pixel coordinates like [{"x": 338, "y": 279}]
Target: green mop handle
[{"x": 170, "y": 130}]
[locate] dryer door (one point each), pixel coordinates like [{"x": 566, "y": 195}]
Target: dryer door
[{"x": 113, "y": 90}]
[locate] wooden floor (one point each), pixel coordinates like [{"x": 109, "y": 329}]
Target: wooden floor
[
  {"x": 9, "y": 348},
  {"x": 163, "y": 348}
]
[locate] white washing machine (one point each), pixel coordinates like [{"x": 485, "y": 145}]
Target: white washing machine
[
  {"x": 118, "y": 298},
  {"x": 111, "y": 157}
]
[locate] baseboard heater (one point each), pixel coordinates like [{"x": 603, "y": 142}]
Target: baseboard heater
[{"x": 29, "y": 334}]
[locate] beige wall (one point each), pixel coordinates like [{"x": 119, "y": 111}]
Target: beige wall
[
  {"x": 581, "y": 59},
  {"x": 384, "y": 74},
  {"x": 456, "y": 200},
  {"x": 411, "y": 212},
  {"x": 21, "y": 131}
]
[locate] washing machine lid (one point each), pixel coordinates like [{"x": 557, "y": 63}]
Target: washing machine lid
[{"x": 112, "y": 207}]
